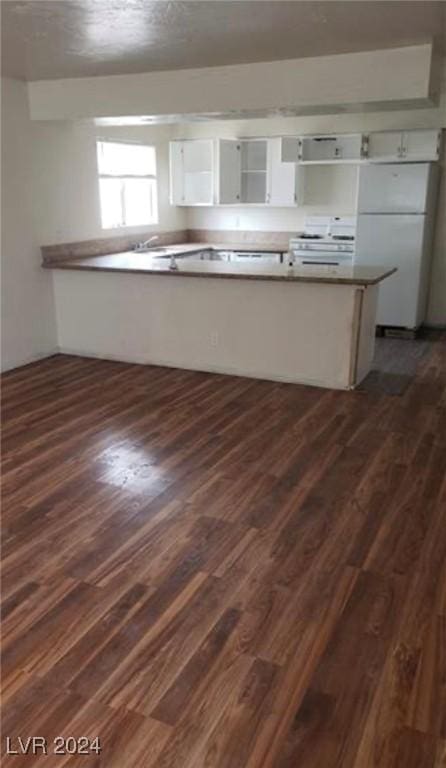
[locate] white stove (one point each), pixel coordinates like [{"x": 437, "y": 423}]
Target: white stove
[{"x": 328, "y": 240}]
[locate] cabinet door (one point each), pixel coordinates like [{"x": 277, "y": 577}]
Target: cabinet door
[
  {"x": 254, "y": 154},
  {"x": 176, "y": 173},
  {"x": 197, "y": 170},
  {"x": 318, "y": 149},
  {"x": 197, "y": 156},
  {"x": 198, "y": 188},
  {"x": 254, "y": 169},
  {"x": 290, "y": 152},
  {"x": 229, "y": 171},
  {"x": 420, "y": 145},
  {"x": 283, "y": 189},
  {"x": 191, "y": 172},
  {"x": 254, "y": 187},
  {"x": 349, "y": 147},
  {"x": 385, "y": 146}
]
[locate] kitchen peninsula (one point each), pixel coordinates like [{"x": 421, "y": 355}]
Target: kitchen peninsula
[{"x": 308, "y": 325}]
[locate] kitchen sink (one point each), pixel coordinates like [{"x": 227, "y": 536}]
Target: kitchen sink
[{"x": 191, "y": 255}]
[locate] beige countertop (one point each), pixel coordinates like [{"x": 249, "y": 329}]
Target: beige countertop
[{"x": 147, "y": 263}]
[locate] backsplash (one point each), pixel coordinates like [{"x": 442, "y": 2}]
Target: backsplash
[
  {"x": 234, "y": 238},
  {"x": 104, "y": 245}
]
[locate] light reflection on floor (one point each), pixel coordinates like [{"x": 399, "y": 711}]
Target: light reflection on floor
[{"x": 131, "y": 468}]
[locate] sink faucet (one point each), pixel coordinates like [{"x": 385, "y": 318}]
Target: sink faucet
[{"x": 145, "y": 245}]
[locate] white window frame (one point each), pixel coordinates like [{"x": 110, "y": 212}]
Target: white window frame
[{"x": 153, "y": 203}]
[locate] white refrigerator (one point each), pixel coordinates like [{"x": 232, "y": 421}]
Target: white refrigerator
[{"x": 396, "y": 210}]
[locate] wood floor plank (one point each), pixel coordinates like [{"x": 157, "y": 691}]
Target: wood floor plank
[
  {"x": 208, "y": 571},
  {"x": 427, "y": 705},
  {"x": 396, "y": 694},
  {"x": 440, "y": 755},
  {"x": 346, "y": 676},
  {"x": 172, "y": 704},
  {"x": 233, "y": 739}
]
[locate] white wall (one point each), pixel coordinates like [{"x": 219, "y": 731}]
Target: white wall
[
  {"x": 66, "y": 191},
  {"x": 28, "y": 329},
  {"x": 50, "y": 195}
]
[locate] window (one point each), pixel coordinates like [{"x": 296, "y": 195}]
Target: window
[{"x": 127, "y": 184}]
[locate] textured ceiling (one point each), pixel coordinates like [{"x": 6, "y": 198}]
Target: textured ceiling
[{"x": 46, "y": 39}]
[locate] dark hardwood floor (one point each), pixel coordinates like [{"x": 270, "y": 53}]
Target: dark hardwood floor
[{"x": 215, "y": 572}]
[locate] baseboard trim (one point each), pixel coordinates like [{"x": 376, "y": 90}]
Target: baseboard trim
[
  {"x": 225, "y": 371},
  {"x": 5, "y": 367},
  {"x": 434, "y": 326}
]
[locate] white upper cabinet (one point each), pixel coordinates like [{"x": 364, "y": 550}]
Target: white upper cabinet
[
  {"x": 192, "y": 172},
  {"x": 385, "y": 146},
  {"x": 403, "y": 146},
  {"x": 229, "y": 172},
  {"x": 176, "y": 173},
  {"x": 251, "y": 172},
  {"x": 306, "y": 150},
  {"x": 382, "y": 146},
  {"x": 285, "y": 178},
  {"x": 198, "y": 155},
  {"x": 330, "y": 149},
  {"x": 290, "y": 149},
  {"x": 270, "y": 171},
  {"x": 254, "y": 169},
  {"x": 421, "y": 145}
]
